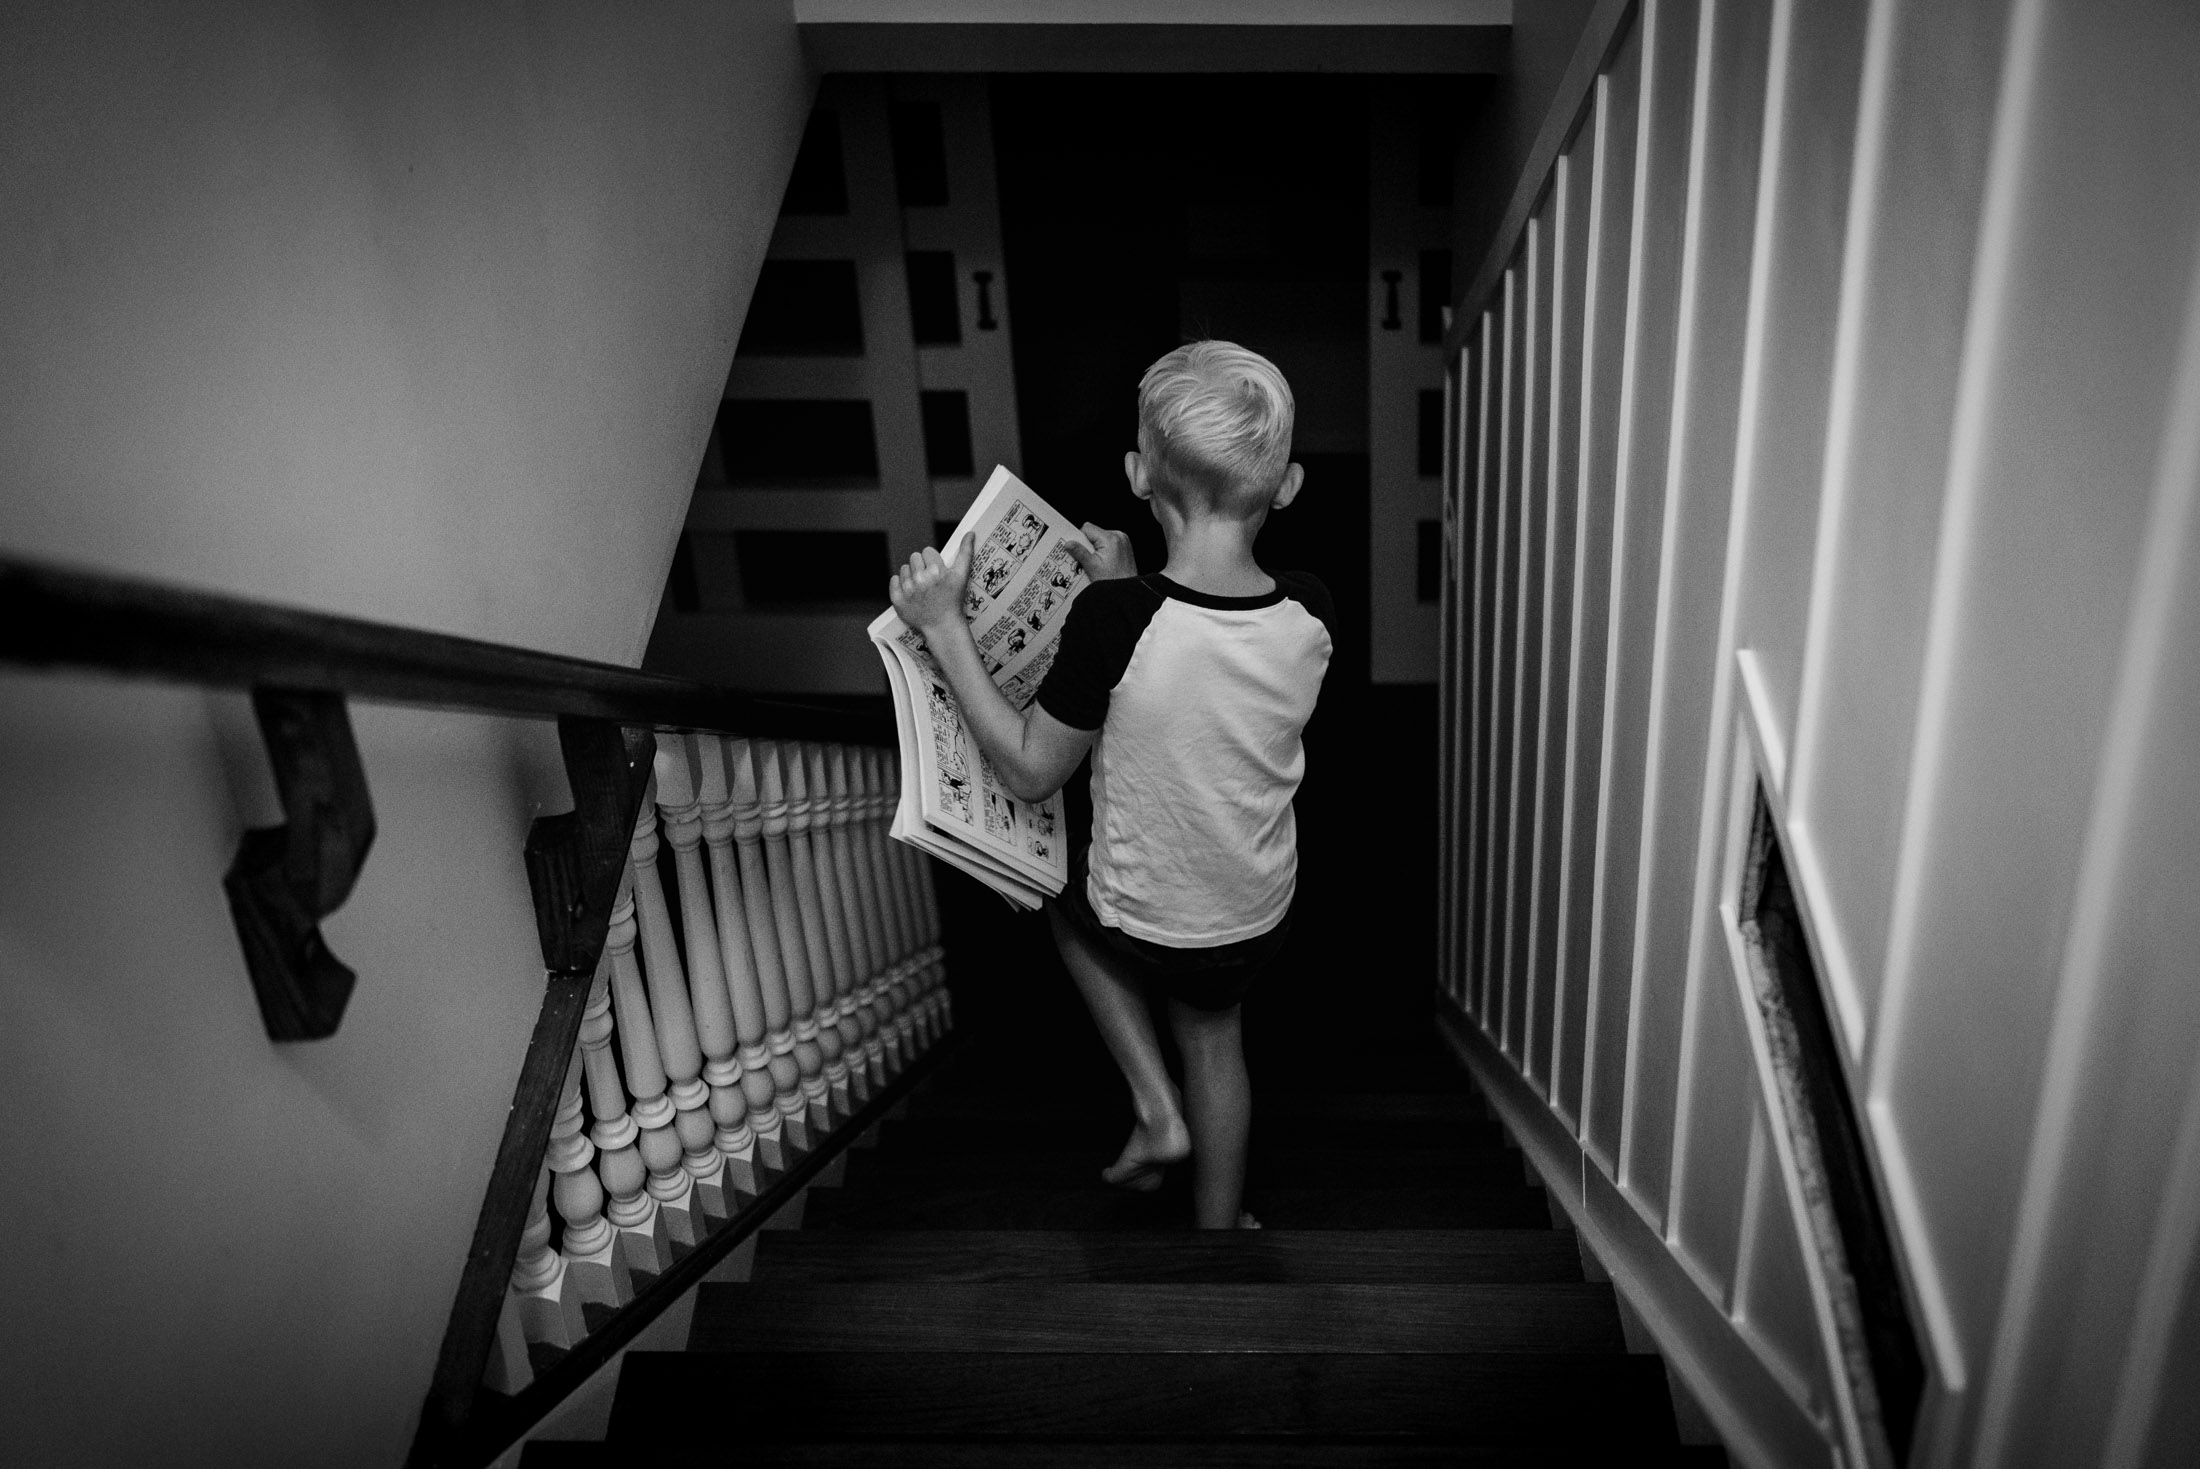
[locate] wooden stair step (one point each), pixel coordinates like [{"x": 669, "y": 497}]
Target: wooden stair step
[
  {"x": 901, "y": 1169},
  {"x": 1046, "y": 1104},
  {"x": 1271, "y": 1130},
  {"x": 1252, "y": 1256},
  {"x": 1085, "y": 1317},
  {"x": 1545, "y": 1400},
  {"x": 1055, "y": 1454},
  {"x": 994, "y": 1206}
]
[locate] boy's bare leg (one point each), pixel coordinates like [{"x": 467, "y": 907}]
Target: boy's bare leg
[
  {"x": 1119, "y": 1010},
  {"x": 1218, "y": 1103}
]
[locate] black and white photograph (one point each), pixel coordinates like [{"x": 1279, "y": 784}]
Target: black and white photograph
[{"x": 1056, "y": 734}]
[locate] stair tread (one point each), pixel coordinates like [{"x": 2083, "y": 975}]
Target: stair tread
[
  {"x": 964, "y": 1453},
  {"x": 924, "y": 1133},
  {"x": 1436, "y": 1256},
  {"x": 1114, "y": 1106},
  {"x": 996, "y": 1206},
  {"x": 1087, "y": 1317},
  {"x": 1547, "y": 1399},
  {"x": 900, "y": 1168}
]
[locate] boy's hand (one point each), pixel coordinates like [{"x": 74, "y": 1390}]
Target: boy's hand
[
  {"x": 928, "y": 592},
  {"x": 1111, "y": 556}
]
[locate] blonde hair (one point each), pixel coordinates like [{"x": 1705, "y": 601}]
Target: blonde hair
[{"x": 1214, "y": 422}]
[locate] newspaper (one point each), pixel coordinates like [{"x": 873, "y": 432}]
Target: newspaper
[{"x": 1022, "y": 580}]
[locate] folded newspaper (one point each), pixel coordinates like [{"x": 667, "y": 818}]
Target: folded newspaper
[{"x": 1022, "y": 580}]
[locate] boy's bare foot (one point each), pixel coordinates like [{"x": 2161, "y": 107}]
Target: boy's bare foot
[
  {"x": 1247, "y": 1221},
  {"x": 1149, "y": 1151}
]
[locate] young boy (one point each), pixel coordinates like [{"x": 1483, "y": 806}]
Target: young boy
[{"x": 1191, "y": 689}]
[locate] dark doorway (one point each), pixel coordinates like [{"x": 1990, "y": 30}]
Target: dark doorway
[{"x": 1139, "y": 213}]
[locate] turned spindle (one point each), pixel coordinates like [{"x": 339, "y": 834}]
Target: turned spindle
[
  {"x": 816, "y": 940},
  {"x": 547, "y": 1282},
  {"x": 737, "y": 959},
  {"x": 720, "y": 1152},
  {"x": 787, "y": 917},
  {"x": 744, "y": 773},
  {"x": 891, "y": 877},
  {"x": 592, "y": 1249},
  {"x": 672, "y": 1181},
  {"x": 836, "y": 1027},
  {"x": 866, "y": 938},
  {"x": 639, "y": 1175}
]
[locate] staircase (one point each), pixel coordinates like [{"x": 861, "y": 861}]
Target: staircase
[{"x": 973, "y": 1294}]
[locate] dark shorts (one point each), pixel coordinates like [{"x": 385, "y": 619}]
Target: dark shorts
[{"x": 1205, "y": 979}]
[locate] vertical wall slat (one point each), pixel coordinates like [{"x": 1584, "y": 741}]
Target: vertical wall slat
[
  {"x": 2092, "y": 213},
  {"x": 1720, "y": 349},
  {"x": 1610, "y": 182},
  {"x": 1569, "y": 240},
  {"x": 1912, "y": 231},
  {"x": 1498, "y": 596},
  {"x": 1531, "y": 498},
  {"x": 1666, "y": 59},
  {"x": 1476, "y": 702}
]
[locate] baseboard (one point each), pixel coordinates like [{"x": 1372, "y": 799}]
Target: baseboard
[{"x": 1759, "y": 1423}]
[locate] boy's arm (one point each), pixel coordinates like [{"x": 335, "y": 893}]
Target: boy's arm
[{"x": 1033, "y": 751}]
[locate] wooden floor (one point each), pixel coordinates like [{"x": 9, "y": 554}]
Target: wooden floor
[{"x": 975, "y": 1295}]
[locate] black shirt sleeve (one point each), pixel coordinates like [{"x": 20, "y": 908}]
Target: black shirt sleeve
[{"x": 1098, "y": 637}]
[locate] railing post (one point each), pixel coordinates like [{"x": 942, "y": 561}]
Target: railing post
[
  {"x": 646, "y": 1144},
  {"x": 742, "y": 769},
  {"x": 740, "y": 957},
  {"x": 794, "y": 944},
  {"x": 591, "y": 1248},
  {"x": 817, "y": 939},
  {"x": 698, "y": 1029},
  {"x": 893, "y": 905},
  {"x": 858, "y": 1022}
]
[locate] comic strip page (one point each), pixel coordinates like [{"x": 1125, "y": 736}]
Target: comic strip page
[{"x": 1023, "y": 578}]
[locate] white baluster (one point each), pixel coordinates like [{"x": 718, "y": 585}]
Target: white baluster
[
  {"x": 721, "y": 1158},
  {"x": 738, "y": 958},
  {"x": 837, "y": 1029},
  {"x": 648, "y": 1167},
  {"x": 591, "y": 1246},
  {"x": 866, "y": 938},
  {"x": 937, "y": 1016},
  {"x": 885, "y": 884},
  {"x": 809, "y": 896},
  {"x": 545, "y": 1283},
  {"x": 794, "y": 951},
  {"x": 744, "y": 775},
  {"x": 923, "y": 1004},
  {"x": 673, "y": 1171}
]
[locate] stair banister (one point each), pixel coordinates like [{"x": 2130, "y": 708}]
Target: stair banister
[{"x": 670, "y": 1100}]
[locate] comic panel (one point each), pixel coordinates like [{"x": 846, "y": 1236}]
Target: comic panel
[
  {"x": 1050, "y": 587},
  {"x": 1000, "y": 554},
  {"x": 1039, "y": 830},
  {"x": 951, "y": 751},
  {"x": 1000, "y": 807}
]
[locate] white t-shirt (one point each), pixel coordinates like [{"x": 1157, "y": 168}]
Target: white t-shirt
[{"x": 1200, "y": 702}]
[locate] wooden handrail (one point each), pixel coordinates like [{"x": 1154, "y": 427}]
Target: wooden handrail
[{"x": 62, "y": 618}]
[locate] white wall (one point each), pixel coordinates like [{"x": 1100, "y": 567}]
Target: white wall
[
  {"x": 1890, "y": 459},
  {"x": 418, "y": 313}
]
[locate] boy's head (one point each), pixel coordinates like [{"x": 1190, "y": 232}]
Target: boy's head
[{"x": 1214, "y": 432}]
